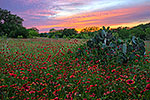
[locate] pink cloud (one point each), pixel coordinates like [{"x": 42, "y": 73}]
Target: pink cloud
[{"x": 99, "y": 18}]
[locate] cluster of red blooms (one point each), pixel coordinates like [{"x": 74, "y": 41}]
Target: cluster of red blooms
[{"x": 41, "y": 70}]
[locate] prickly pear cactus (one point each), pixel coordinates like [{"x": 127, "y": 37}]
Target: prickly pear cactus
[{"x": 111, "y": 49}]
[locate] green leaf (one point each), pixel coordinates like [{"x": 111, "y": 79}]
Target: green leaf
[
  {"x": 112, "y": 44},
  {"x": 124, "y": 48},
  {"x": 133, "y": 40},
  {"x": 119, "y": 40},
  {"x": 103, "y": 45}
]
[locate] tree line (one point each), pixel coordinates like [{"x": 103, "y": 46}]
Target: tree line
[
  {"x": 142, "y": 31},
  {"x": 11, "y": 26}
]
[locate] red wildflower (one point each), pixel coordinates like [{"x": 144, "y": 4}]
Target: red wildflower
[
  {"x": 92, "y": 85},
  {"x": 42, "y": 90},
  {"x": 72, "y": 76},
  {"x": 124, "y": 91},
  {"x": 76, "y": 87},
  {"x": 136, "y": 61},
  {"x": 148, "y": 80},
  {"x": 13, "y": 85},
  {"x": 32, "y": 92},
  {"x": 113, "y": 70},
  {"x": 56, "y": 98},
  {"x": 56, "y": 85},
  {"x": 147, "y": 87},
  {"x": 129, "y": 81},
  {"x": 12, "y": 97},
  {"x": 55, "y": 63},
  {"x": 24, "y": 78},
  {"x": 3, "y": 86},
  {"x": 93, "y": 95},
  {"x": 25, "y": 87},
  {"x": 12, "y": 74},
  {"x": 137, "y": 55},
  {"x": 48, "y": 74}
]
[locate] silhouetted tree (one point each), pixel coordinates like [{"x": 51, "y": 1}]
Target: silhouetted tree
[{"x": 10, "y": 24}]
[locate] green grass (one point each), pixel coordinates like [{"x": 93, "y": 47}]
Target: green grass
[{"x": 147, "y": 43}]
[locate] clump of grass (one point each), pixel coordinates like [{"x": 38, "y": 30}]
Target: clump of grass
[{"x": 147, "y": 45}]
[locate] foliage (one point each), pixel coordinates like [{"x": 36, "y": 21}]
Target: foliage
[
  {"x": 64, "y": 36},
  {"x": 71, "y": 33},
  {"x": 89, "y": 29},
  {"x": 35, "y": 29},
  {"x": 138, "y": 32},
  {"x": 89, "y": 32},
  {"x": 18, "y": 32},
  {"x": 104, "y": 46},
  {"x": 141, "y": 31},
  {"x": 123, "y": 33},
  {"x": 53, "y": 37},
  {"x": 67, "y": 33},
  {"x": 78, "y": 36},
  {"x": 44, "y": 34},
  {"x": 20, "y": 36},
  {"x": 147, "y": 33},
  {"x": 10, "y": 24},
  {"x": 33, "y": 32}
]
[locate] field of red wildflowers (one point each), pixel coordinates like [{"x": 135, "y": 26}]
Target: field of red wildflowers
[{"x": 47, "y": 69}]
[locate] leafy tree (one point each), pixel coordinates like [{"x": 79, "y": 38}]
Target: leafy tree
[
  {"x": 53, "y": 37},
  {"x": 138, "y": 32},
  {"x": 58, "y": 34},
  {"x": 35, "y": 29},
  {"x": 64, "y": 36},
  {"x": 90, "y": 29},
  {"x": 10, "y": 23},
  {"x": 33, "y": 32},
  {"x": 51, "y": 30},
  {"x": 124, "y": 33},
  {"x": 20, "y": 31},
  {"x": 44, "y": 34},
  {"x": 69, "y": 32},
  {"x": 147, "y": 33},
  {"x": 79, "y": 36}
]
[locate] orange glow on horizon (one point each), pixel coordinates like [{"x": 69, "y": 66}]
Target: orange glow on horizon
[
  {"x": 130, "y": 25},
  {"x": 96, "y": 18}
]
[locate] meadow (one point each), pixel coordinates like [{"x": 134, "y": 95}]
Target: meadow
[
  {"x": 147, "y": 46},
  {"x": 48, "y": 69}
]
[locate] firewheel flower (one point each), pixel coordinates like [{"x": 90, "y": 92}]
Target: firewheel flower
[
  {"x": 129, "y": 81},
  {"x": 147, "y": 87}
]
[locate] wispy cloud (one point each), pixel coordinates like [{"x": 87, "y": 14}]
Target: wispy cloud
[
  {"x": 46, "y": 14},
  {"x": 98, "y": 18}
]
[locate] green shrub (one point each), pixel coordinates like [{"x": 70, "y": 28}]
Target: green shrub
[
  {"x": 107, "y": 48},
  {"x": 54, "y": 37},
  {"x": 64, "y": 37},
  {"x": 20, "y": 36}
]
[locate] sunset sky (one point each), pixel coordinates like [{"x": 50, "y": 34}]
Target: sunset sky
[{"x": 59, "y": 14}]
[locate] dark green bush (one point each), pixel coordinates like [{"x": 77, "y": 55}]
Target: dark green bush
[{"x": 107, "y": 48}]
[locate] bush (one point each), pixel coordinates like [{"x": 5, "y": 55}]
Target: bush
[
  {"x": 32, "y": 33},
  {"x": 20, "y": 36},
  {"x": 53, "y": 37},
  {"x": 107, "y": 48}
]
